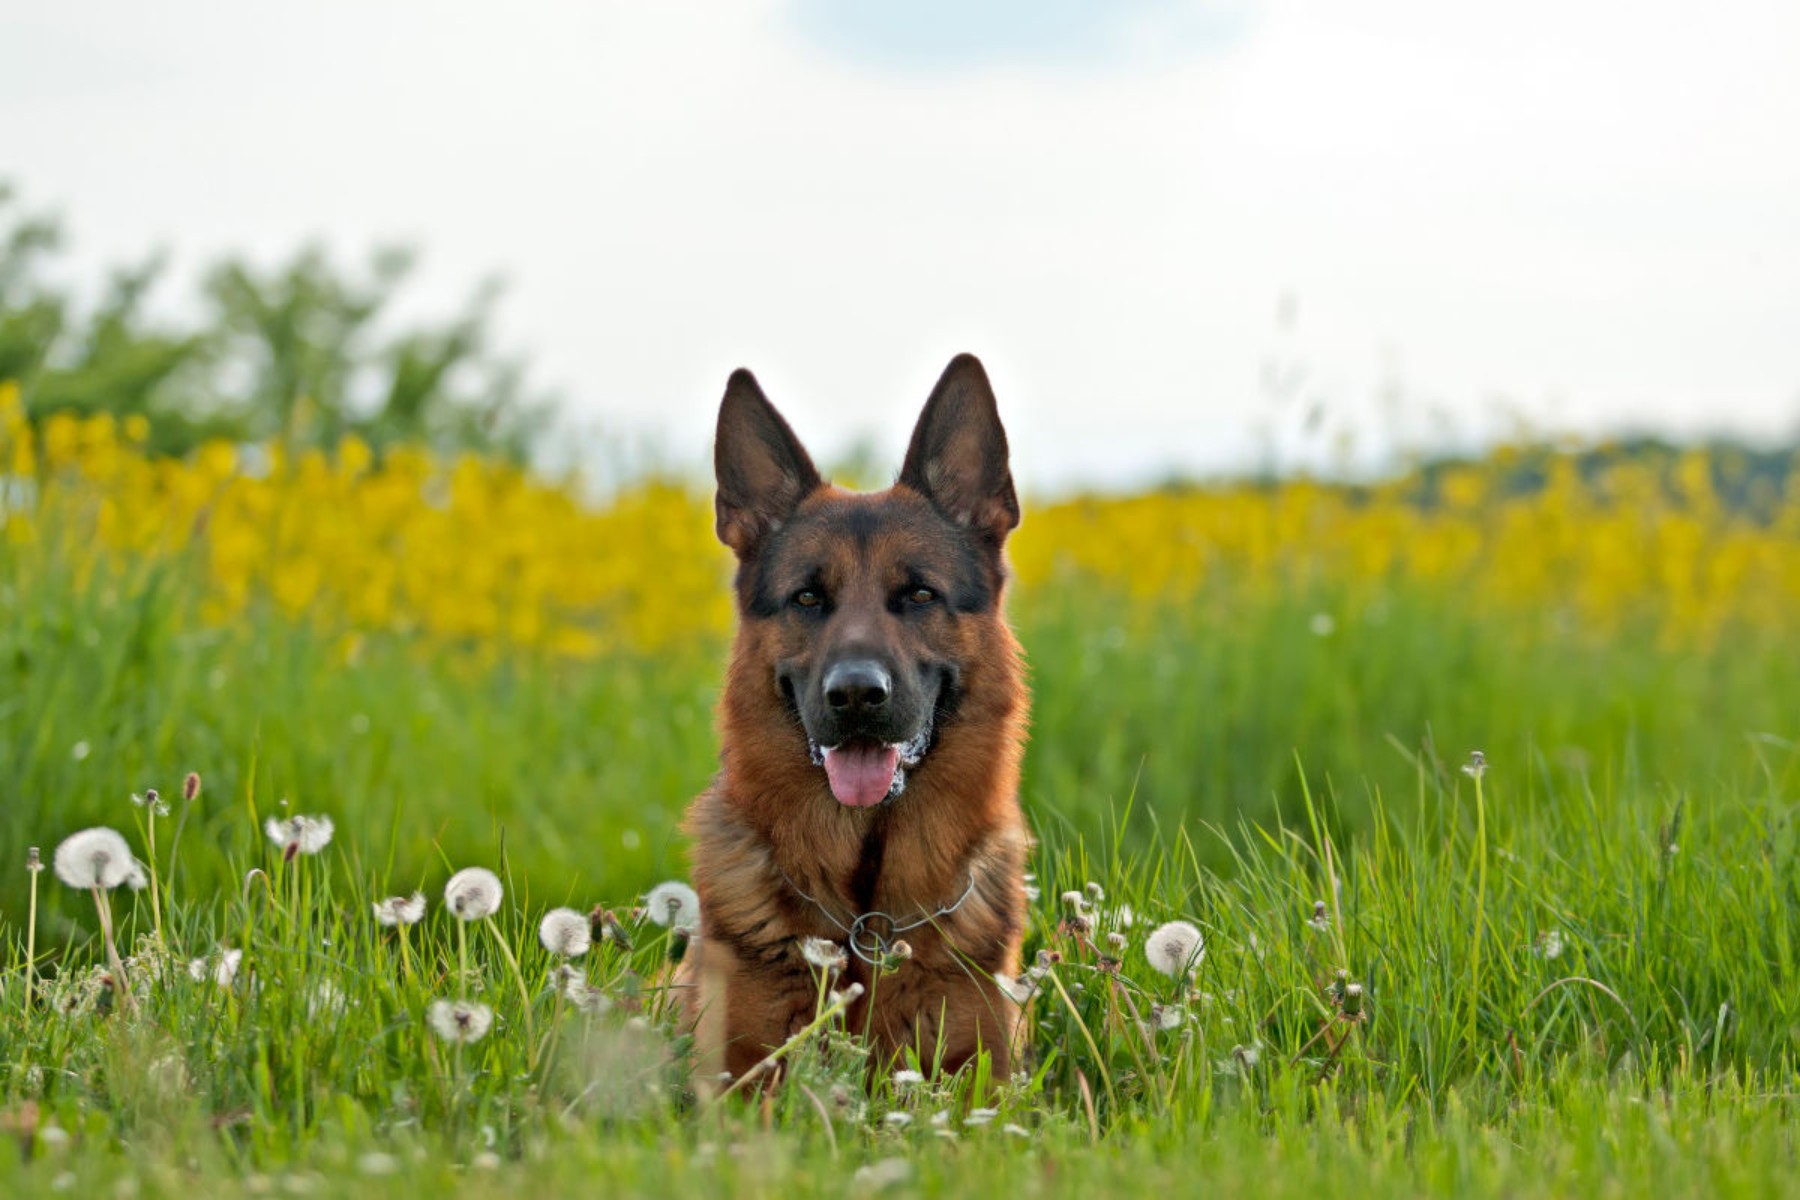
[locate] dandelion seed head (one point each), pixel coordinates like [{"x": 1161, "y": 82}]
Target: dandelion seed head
[
  {"x": 299, "y": 834},
  {"x": 94, "y": 858},
  {"x": 226, "y": 972},
  {"x": 908, "y": 1078},
  {"x": 33, "y": 862},
  {"x": 460, "y": 1021},
  {"x": 824, "y": 954},
  {"x": 1175, "y": 948},
  {"x": 673, "y": 905},
  {"x": 1476, "y": 767},
  {"x": 474, "y": 893},
  {"x": 897, "y": 1120},
  {"x": 1550, "y": 944},
  {"x": 1095, "y": 892},
  {"x": 566, "y": 932},
  {"x": 401, "y": 910},
  {"x": 980, "y": 1116}
]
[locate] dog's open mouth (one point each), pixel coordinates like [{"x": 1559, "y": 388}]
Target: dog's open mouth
[{"x": 864, "y": 772}]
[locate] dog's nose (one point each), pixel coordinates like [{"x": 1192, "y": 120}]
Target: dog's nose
[{"x": 858, "y": 685}]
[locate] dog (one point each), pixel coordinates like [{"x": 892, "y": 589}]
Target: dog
[{"x": 871, "y": 726}]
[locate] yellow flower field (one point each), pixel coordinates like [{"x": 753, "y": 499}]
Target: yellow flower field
[{"x": 480, "y": 553}]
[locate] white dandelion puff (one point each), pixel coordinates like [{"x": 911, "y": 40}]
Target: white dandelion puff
[
  {"x": 1549, "y": 944},
  {"x": 474, "y": 893},
  {"x": 95, "y": 858},
  {"x": 566, "y": 932},
  {"x": 824, "y": 954},
  {"x": 908, "y": 1078},
  {"x": 460, "y": 1021},
  {"x": 299, "y": 834},
  {"x": 581, "y": 995},
  {"x": 401, "y": 910},
  {"x": 226, "y": 973},
  {"x": 898, "y": 1120},
  {"x": 1165, "y": 1017},
  {"x": 673, "y": 905},
  {"x": 1320, "y": 921},
  {"x": 1175, "y": 949},
  {"x": 980, "y": 1116},
  {"x": 1476, "y": 767}
]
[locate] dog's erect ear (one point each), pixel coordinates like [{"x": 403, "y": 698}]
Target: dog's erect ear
[
  {"x": 958, "y": 453},
  {"x": 762, "y": 469}
]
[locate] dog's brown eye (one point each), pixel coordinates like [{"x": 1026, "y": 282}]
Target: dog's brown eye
[
  {"x": 808, "y": 598},
  {"x": 923, "y": 595}
]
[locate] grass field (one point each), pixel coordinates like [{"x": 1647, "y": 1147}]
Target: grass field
[{"x": 1573, "y": 972}]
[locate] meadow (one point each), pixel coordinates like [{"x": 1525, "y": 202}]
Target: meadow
[{"x": 1478, "y": 784}]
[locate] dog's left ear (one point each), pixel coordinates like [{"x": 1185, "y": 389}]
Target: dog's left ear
[{"x": 958, "y": 456}]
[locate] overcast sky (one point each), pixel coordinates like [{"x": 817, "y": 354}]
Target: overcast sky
[{"x": 1428, "y": 217}]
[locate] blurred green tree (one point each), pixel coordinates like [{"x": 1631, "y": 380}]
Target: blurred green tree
[{"x": 304, "y": 353}]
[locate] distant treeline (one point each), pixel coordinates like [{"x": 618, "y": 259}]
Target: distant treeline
[{"x": 305, "y": 353}]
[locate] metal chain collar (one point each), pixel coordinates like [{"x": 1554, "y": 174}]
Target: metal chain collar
[{"x": 860, "y": 935}]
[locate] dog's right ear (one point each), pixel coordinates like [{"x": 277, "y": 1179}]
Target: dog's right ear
[{"x": 762, "y": 469}]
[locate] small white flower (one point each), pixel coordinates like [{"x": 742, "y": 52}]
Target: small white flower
[
  {"x": 824, "y": 954},
  {"x": 898, "y": 1120},
  {"x": 474, "y": 893},
  {"x": 95, "y": 858},
  {"x": 674, "y": 905},
  {"x": 1320, "y": 921},
  {"x": 1032, "y": 890},
  {"x": 196, "y": 969},
  {"x": 460, "y": 1021},
  {"x": 1075, "y": 902},
  {"x": 299, "y": 834},
  {"x": 980, "y": 1116},
  {"x": 401, "y": 910},
  {"x": 1549, "y": 944},
  {"x": 566, "y": 932},
  {"x": 1476, "y": 767},
  {"x": 1095, "y": 892},
  {"x": 1015, "y": 1130},
  {"x": 908, "y": 1078},
  {"x": 1175, "y": 949},
  {"x": 79, "y": 751}
]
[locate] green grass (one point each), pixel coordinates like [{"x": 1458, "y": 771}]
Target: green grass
[{"x": 1221, "y": 764}]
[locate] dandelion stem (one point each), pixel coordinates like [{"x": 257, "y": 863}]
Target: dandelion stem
[
  {"x": 31, "y": 940},
  {"x": 122, "y": 985},
  {"x": 1480, "y": 908},
  {"x": 156, "y": 918}
]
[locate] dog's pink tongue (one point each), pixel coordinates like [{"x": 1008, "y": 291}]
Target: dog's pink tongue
[{"x": 861, "y": 775}]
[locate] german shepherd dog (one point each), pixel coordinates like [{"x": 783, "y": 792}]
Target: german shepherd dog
[{"x": 871, "y": 727}]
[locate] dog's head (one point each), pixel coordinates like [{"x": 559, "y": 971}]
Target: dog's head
[{"x": 866, "y": 609}]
